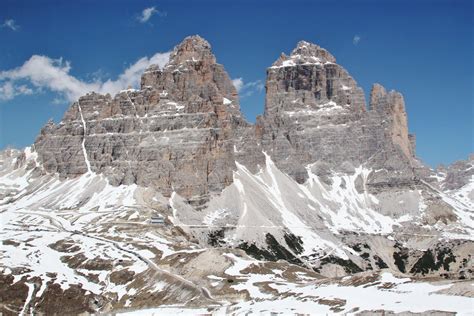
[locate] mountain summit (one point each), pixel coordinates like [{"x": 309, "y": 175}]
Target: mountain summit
[{"x": 168, "y": 190}]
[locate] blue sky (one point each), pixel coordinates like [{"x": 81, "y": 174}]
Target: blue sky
[{"x": 424, "y": 49}]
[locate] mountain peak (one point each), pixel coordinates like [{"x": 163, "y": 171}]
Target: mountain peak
[
  {"x": 196, "y": 42},
  {"x": 305, "y": 53},
  {"x": 307, "y": 49},
  {"x": 192, "y": 48}
]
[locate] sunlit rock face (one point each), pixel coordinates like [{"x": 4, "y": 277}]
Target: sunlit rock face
[
  {"x": 183, "y": 130},
  {"x": 174, "y": 134},
  {"x": 316, "y": 112}
]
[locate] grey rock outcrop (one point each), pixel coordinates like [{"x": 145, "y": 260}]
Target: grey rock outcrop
[
  {"x": 315, "y": 111},
  {"x": 458, "y": 174},
  {"x": 174, "y": 134},
  {"x": 183, "y": 130},
  {"x": 391, "y": 106}
]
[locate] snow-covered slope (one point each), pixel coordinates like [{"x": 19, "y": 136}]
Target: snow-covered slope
[
  {"x": 91, "y": 243},
  {"x": 310, "y": 296},
  {"x": 326, "y": 217},
  {"x": 88, "y": 237}
]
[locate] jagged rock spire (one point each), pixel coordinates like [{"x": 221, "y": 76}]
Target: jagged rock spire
[
  {"x": 315, "y": 111},
  {"x": 174, "y": 134},
  {"x": 192, "y": 72},
  {"x": 309, "y": 78},
  {"x": 391, "y": 106},
  {"x": 305, "y": 53},
  {"x": 304, "y": 48},
  {"x": 192, "y": 48}
]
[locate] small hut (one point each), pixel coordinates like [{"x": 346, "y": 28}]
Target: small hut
[{"x": 157, "y": 219}]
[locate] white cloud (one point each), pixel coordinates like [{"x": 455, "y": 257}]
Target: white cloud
[
  {"x": 8, "y": 90},
  {"x": 59, "y": 100},
  {"x": 43, "y": 72},
  {"x": 238, "y": 83},
  {"x": 147, "y": 14},
  {"x": 24, "y": 89},
  {"x": 132, "y": 75},
  {"x": 11, "y": 24},
  {"x": 356, "y": 39},
  {"x": 249, "y": 88}
]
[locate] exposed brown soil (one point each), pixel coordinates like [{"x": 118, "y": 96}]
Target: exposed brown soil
[{"x": 121, "y": 276}]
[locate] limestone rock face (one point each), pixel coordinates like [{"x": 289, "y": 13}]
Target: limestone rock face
[
  {"x": 192, "y": 75},
  {"x": 183, "y": 130},
  {"x": 392, "y": 106},
  {"x": 175, "y": 134},
  {"x": 315, "y": 111},
  {"x": 310, "y": 80},
  {"x": 458, "y": 174}
]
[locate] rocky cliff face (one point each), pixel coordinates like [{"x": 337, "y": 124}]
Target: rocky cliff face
[
  {"x": 183, "y": 130},
  {"x": 458, "y": 180},
  {"x": 315, "y": 113},
  {"x": 456, "y": 175},
  {"x": 174, "y": 134}
]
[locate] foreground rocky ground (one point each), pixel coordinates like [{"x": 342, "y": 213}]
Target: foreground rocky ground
[{"x": 77, "y": 262}]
